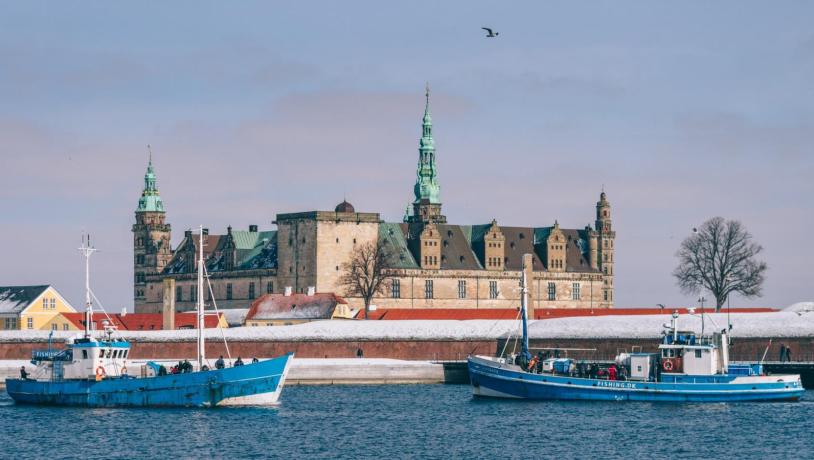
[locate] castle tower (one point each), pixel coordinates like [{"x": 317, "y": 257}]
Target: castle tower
[
  {"x": 605, "y": 236},
  {"x": 151, "y": 236},
  {"x": 555, "y": 249},
  {"x": 494, "y": 247},
  {"x": 427, "y": 203}
]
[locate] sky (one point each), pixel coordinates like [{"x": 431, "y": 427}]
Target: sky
[{"x": 681, "y": 110}]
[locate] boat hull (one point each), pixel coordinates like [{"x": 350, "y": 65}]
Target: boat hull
[
  {"x": 257, "y": 383},
  {"x": 489, "y": 378}
]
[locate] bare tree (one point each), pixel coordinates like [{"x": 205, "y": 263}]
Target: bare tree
[
  {"x": 365, "y": 273},
  {"x": 720, "y": 257}
]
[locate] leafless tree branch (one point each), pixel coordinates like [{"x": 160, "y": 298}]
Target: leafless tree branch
[
  {"x": 365, "y": 274},
  {"x": 721, "y": 258}
]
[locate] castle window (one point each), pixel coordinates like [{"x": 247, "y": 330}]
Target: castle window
[
  {"x": 606, "y": 297},
  {"x": 428, "y": 289},
  {"x": 461, "y": 289},
  {"x": 269, "y": 287},
  {"x": 337, "y": 241},
  {"x": 251, "y": 290},
  {"x": 449, "y": 233},
  {"x": 193, "y": 293},
  {"x": 552, "y": 291},
  {"x": 522, "y": 236},
  {"x": 493, "y": 289},
  {"x": 228, "y": 291},
  {"x": 179, "y": 294},
  {"x": 462, "y": 259},
  {"x": 511, "y": 245},
  {"x": 575, "y": 291},
  {"x": 395, "y": 289}
]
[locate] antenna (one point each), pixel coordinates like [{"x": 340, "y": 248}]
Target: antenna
[
  {"x": 87, "y": 250},
  {"x": 149, "y": 153}
]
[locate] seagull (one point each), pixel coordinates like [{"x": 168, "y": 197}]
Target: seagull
[{"x": 489, "y": 32}]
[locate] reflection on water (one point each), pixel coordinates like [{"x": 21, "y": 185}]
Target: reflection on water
[{"x": 403, "y": 421}]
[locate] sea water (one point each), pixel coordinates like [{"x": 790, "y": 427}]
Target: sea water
[{"x": 412, "y": 421}]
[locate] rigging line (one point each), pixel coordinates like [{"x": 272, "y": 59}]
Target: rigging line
[
  {"x": 215, "y": 304},
  {"x": 506, "y": 343},
  {"x": 101, "y": 307}
]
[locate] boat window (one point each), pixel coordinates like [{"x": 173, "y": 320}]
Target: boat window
[
  {"x": 697, "y": 353},
  {"x": 109, "y": 351},
  {"x": 126, "y": 352},
  {"x": 117, "y": 353},
  {"x": 84, "y": 354}
]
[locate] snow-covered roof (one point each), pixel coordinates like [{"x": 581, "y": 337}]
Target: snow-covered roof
[
  {"x": 800, "y": 307},
  {"x": 14, "y": 299},
  {"x": 778, "y": 324},
  {"x": 234, "y": 316}
]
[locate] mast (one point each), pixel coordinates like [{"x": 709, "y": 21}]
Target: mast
[
  {"x": 87, "y": 251},
  {"x": 524, "y": 298},
  {"x": 201, "y": 355}
]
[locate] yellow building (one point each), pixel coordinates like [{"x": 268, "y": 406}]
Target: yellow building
[{"x": 32, "y": 307}]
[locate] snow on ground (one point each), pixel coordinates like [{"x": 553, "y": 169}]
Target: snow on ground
[{"x": 776, "y": 324}]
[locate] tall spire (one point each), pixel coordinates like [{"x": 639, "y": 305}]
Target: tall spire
[
  {"x": 427, "y": 191},
  {"x": 150, "y": 200},
  {"x": 426, "y": 186}
]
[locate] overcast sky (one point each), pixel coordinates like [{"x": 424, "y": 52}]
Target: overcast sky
[{"x": 683, "y": 111}]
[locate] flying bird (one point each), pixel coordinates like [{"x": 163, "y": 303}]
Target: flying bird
[{"x": 489, "y": 32}]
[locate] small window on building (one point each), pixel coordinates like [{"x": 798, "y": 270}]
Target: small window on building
[
  {"x": 193, "y": 293},
  {"x": 84, "y": 354},
  {"x": 395, "y": 289},
  {"x": 53, "y": 304},
  {"x": 552, "y": 291},
  {"x": 179, "y": 294},
  {"x": 30, "y": 323},
  {"x": 251, "y": 290},
  {"x": 461, "y": 289},
  {"x": 575, "y": 287},
  {"x": 228, "y": 291},
  {"x": 54, "y": 327},
  {"x": 606, "y": 296},
  {"x": 493, "y": 289},
  {"x": 428, "y": 294},
  {"x": 697, "y": 353},
  {"x": 44, "y": 304},
  {"x": 269, "y": 287}
]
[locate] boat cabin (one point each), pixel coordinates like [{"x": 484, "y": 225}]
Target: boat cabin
[{"x": 84, "y": 358}]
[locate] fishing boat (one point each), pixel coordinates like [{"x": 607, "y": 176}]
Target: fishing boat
[
  {"x": 685, "y": 368},
  {"x": 94, "y": 370}
]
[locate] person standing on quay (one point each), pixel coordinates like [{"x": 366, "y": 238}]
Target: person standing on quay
[
  {"x": 782, "y": 352},
  {"x": 788, "y": 354}
]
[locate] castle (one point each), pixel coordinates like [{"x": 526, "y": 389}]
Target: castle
[{"x": 431, "y": 263}]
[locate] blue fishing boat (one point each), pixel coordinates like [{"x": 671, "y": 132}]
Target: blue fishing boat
[
  {"x": 96, "y": 372},
  {"x": 685, "y": 368}
]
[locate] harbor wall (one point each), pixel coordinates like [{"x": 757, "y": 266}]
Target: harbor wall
[
  {"x": 442, "y": 350},
  {"x": 802, "y": 348}
]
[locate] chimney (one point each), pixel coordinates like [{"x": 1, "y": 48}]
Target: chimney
[
  {"x": 168, "y": 309},
  {"x": 253, "y": 228},
  {"x": 287, "y": 291},
  {"x": 312, "y": 290},
  {"x": 528, "y": 269}
]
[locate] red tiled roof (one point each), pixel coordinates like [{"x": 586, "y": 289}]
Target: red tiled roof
[
  {"x": 142, "y": 321},
  {"x": 511, "y": 313}
]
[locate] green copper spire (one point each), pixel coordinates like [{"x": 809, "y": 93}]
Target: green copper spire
[
  {"x": 426, "y": 185},
  {"x": 150, "y": 200}
]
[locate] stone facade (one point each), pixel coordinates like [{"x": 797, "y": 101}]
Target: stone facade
[{"x": 430, "y": 263}]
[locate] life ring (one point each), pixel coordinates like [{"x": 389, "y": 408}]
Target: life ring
[
  {"x": 667, "y": 365},
  {"x": 100, "y": 371}
]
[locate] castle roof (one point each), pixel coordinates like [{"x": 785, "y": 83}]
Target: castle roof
[{"x": 254, "y": 250}]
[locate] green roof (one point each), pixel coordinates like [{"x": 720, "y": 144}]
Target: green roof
[{"x": 391, "y": 236}]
